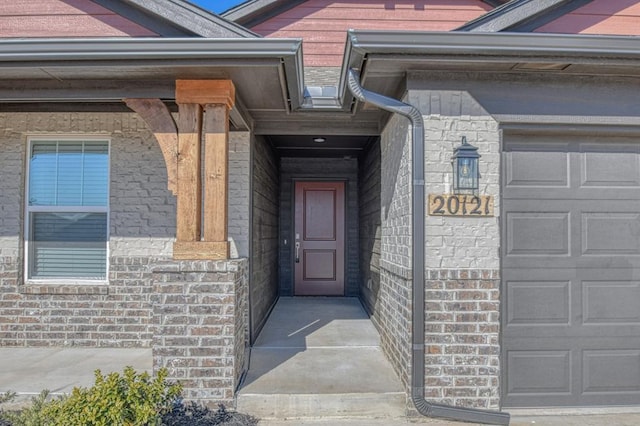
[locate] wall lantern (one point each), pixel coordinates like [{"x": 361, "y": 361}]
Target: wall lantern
[{"x": 466, "y": 173}]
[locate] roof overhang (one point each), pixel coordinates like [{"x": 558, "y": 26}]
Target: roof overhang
[
  {"x": 385, "y": 57},
  {"x": 267, "y": 72}
]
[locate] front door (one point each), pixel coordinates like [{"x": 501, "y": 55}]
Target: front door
[{"x": 319, "y": 238}]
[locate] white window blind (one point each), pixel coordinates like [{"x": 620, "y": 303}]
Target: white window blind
[{"x": 67, "y": 208}]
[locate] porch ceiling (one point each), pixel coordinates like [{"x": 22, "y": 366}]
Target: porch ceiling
[{"x": 338, "y": 146}]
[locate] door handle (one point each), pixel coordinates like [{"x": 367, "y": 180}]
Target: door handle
[{"x": 297, "y": 252}]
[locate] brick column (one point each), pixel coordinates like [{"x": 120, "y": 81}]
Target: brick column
[{"x": 201, "y": 326}]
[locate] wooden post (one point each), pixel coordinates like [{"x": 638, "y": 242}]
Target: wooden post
[
  {"x": 218, "y": 97},
  {"x": 189, "y": 173},
  {"x": 216, "y": 175}
]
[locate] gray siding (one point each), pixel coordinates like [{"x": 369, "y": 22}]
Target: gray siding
[
  {"x": 264, "y": 261},
  {"x": 319, "y": 169},
  {"x": 370, "y": 227}
]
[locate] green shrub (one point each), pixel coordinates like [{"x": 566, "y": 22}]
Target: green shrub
[
  {"x": 130, "y": 399},
  {"x": 33, "y": 415},
  {"x": 7, "y": 397}
]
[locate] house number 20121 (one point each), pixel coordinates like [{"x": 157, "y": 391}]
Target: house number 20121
[{"x": 460, "y": 205}]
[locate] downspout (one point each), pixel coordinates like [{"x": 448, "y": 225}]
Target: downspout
[{"x": 418, "y": 242}]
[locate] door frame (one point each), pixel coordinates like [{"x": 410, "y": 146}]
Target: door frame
[{"x": 292, "y": 260}]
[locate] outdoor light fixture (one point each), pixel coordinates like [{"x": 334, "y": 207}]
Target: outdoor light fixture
[
  {"x": 466, "y": 173},
  {"x": 319, "y": 140}
]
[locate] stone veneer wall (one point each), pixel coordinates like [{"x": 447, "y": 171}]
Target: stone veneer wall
[
  {"x": 201, "y": 334},
  {"x": 462, "y": 259}
]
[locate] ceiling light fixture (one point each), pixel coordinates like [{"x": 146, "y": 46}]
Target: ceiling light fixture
[{"x": 319, "y": 140}]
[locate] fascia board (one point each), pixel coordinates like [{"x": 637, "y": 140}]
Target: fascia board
[
  {"x": 353, "y": 58},
  {"x": 508, "y": 45},
  {"x": 162, "y": 50}
]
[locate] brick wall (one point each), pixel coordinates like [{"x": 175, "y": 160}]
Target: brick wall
[
  {"x": 462, "y": 255},
  {"x": 142, "y": 226},
  {"x": 265, "y": 190},
  {"x": 201, "y": 318},
  {"x": 462, "y": 334},
  {"x": 142, "y": 230},
  {"x": 57, "y": 315},
  {"x": 393, "y": 313},
  {"x": 318, "y": 168},
  {"x": 11, "y": 197},
  {"x": 370, "y": 227},
  {"x": 462, "y": 258},
  {"x": 239, "y": 192}
]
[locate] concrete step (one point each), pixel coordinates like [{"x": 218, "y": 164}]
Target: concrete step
[
  {"x": 320, "y": 358},
  {"x": 353, "y": 405}
]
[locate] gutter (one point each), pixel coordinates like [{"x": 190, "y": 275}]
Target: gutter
[
  {"x": 423, "y": 406},
  {"x": 494, "y": 47},
  {"x": 38, "y": 51}
]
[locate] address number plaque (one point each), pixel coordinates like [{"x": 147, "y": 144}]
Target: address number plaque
[{"x": 460, "y": 205}]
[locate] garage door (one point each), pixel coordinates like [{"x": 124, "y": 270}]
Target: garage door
[{"x": 571, "y": 271}]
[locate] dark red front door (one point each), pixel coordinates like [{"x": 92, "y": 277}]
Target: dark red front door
[{"x": 319, "y": 238}]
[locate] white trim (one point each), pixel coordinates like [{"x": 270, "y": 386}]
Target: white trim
[{"x": 79, "y": 209}]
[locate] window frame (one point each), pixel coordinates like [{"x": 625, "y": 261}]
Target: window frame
[{"x": 28, "y": 210}]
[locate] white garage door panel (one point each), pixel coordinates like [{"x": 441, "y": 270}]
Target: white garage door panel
[{"x": 571, "y": 272}]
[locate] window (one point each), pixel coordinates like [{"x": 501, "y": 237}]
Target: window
[{"x": 67, "y": 210}]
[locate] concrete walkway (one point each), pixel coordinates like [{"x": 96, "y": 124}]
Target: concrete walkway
[
  {"x": 27, "y": 371},
  {"x": 320, "y": 357}
]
